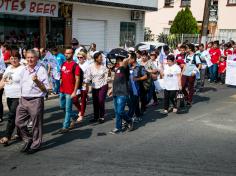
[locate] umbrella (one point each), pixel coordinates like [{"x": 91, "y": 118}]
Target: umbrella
[
  {"x": 117, "y": 52},
  {"x": 114, "y": 54}
]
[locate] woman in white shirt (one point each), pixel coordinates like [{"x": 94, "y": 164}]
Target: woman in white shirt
[
  {"x": 172, "y": 83},
  {"x": 83, "y": 92},
  {"x": 97, "y": 74},
  {"x": 11, "y": 85}
]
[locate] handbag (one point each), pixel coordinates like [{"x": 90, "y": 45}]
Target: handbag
[{"x": 180, "y": 100}]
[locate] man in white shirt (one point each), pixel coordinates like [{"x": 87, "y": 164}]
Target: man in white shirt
[{"x": 34, "y": 85}]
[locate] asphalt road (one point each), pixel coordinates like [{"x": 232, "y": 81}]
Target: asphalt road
[{"x": 201, "y": 142}]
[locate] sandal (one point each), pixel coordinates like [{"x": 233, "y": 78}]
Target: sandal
[
  {"x": 80, "y": 119},
  {"x": 4, "y": 141}
]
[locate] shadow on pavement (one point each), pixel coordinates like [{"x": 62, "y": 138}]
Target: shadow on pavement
[
  {"x": 198, "y": 99},
  {"x": 51, "y": 127},
  {"x": 66, "y": 138},
  {"x": 207, "y": 89},
  {"x": 153, "y": 117},
  {"x": 54, "y": 117}
]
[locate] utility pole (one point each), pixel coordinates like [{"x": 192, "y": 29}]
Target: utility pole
[{"x": 205, "y": 22}]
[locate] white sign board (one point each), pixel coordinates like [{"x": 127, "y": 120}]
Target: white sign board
[
  {"x": 29, "y": 7},
  {"x": 231, "y": 73}
]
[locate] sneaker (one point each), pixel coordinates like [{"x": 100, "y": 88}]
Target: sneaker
[
  {"x": 165, "y": 112},
  {"x": 115, "y": 131},
  {"x": 72, "y": 125},
  {"x": 63, "y": 131},
  {"x": 175, "y": 110},
  {"x": 131, "y": 126},
  {"x": 135, "y": 119}
]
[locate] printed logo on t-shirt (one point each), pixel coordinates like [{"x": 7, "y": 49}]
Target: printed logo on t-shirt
[
  {"x": 65, "y": 70},
  {"x": 8, "y": 79}
]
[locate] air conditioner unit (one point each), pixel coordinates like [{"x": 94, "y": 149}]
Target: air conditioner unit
[{"x": 136, "y": 15}]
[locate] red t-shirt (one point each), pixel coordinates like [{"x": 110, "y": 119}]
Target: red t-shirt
[
  {"x": 180, "y": 57},
  {"x": 228, "y": 52},
  {"x": 222, "y": 66},
  {"x": 68, "y": 78},
  {"x": 215, "y": 55},
  {"x": 6, "y": 55}
]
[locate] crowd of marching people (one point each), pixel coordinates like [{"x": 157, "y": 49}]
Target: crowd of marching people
[{"x": 135, "y": 80}]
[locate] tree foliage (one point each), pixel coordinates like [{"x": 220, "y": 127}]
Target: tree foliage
[
  {"x": 148, "y": 35},
  {"x": 184, "y": 23}
]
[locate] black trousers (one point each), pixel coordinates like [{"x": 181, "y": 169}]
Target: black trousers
[
  {"x": 12, "y": 104},
  {"x": 170, "y": 95},
  {"x": 222, "y": 78},
  {"x": 1, "y": 104},
  {"x": 143, "y": 100}
]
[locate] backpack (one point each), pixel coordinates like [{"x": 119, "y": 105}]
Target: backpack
[
  {"x": 81, "y": 75},
  {"x": 146, "y": 84},
  {"x": 194, "y": 59}
]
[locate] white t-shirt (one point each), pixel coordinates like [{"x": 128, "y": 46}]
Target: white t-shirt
[
  {"x": 171, "y": 77},
  {"x": 12, "y": 86},
  {"x": 84, "y": 68}
]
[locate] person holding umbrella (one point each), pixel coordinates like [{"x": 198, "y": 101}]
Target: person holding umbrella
[{"x": 120, "y": 92}]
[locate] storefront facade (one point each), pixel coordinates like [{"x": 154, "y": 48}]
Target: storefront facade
[
  {"x": 32, "y": 23},
  {"x": 110, "y": 24}
]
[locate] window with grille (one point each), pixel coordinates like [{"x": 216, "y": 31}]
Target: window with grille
[
  {"x": 231, "y": 2},
  {"x": 185, "y": 3},
  {"x": 169, "y": 3}
]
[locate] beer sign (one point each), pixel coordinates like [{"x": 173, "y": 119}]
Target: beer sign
[{"x": 29, "y": 7}]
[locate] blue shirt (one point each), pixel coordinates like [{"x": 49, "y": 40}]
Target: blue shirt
[
  {"x": 134, "y": 73},
  {"x": 60, "y": 59}
]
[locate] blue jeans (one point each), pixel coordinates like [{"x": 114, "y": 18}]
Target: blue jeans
[
  {"x": 119, "y": 106},
  {"x": 55, "y": 86},
  {"x": 213, "y": 72},
  {"x": 66, "y": 103}
]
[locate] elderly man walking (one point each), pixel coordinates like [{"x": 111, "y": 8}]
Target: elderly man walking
[{"x": 34, "y": 84}]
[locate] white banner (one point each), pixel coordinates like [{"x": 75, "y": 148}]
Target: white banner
[
  {"x": 231, "y": 73},
  {"x": 29, "y": 7}
]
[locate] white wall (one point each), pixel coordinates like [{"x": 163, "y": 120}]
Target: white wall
[
  {"x": 226, "y": 16},
  {"x": 112, "y": 18},
  {"x": 159, "y": 20}
]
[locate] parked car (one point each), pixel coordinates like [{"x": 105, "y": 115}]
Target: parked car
[{"x": 149, "y": 45}]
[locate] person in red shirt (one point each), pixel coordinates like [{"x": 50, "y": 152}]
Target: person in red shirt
[
  {"x": 6, "y": 52},
  {"x": 181, "y": 56},
  {"x": 228, "y": 50},
  {"x": 69, "y": 84},
  {"x": 222, "y": 69},
  {"x": 215, "y": 54}
]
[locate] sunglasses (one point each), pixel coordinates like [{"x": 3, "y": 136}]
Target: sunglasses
[
  {"x": 14, "y": 58},
  {"x": 80, "y": 57}
]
